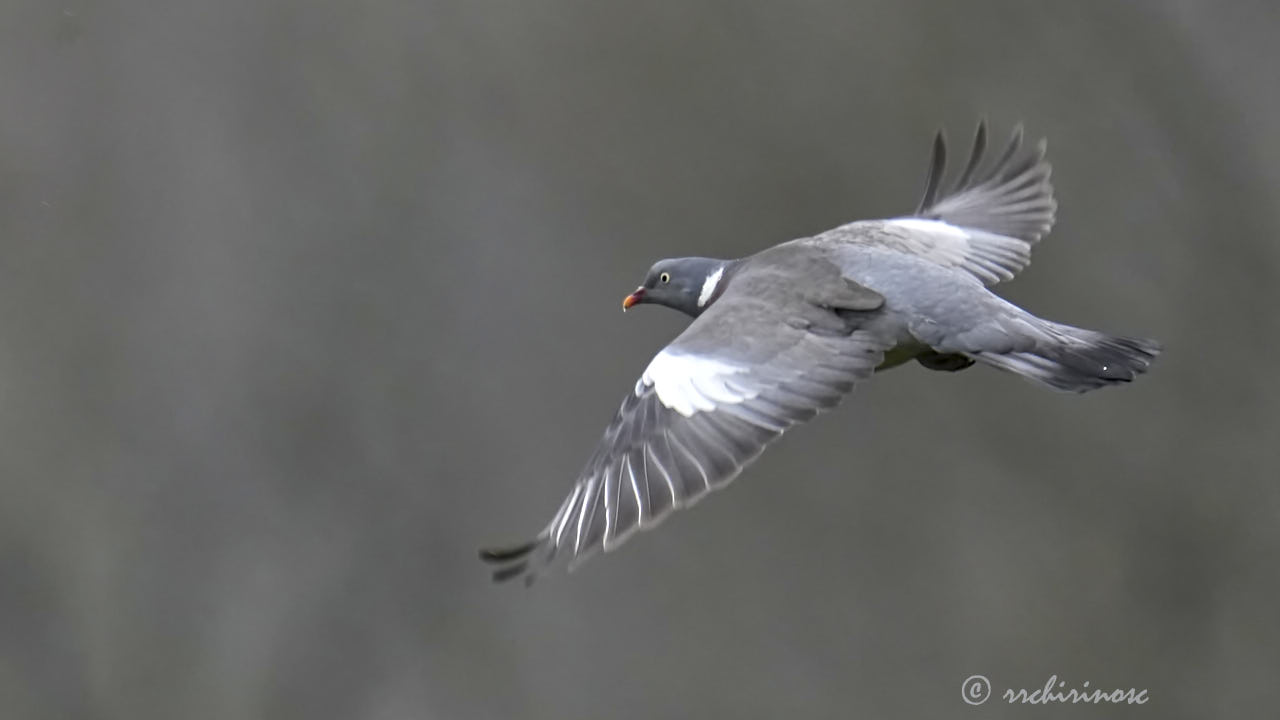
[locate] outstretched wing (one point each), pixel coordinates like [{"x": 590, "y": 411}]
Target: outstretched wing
[
  {"x": 738, "y": 377},
  {"x": 988, "y": 220}
]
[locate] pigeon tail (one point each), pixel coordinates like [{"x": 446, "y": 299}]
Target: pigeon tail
[{"x": 1081, "y": 360}]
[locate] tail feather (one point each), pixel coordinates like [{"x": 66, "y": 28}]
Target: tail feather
[{"x": 1080, "y": 360}]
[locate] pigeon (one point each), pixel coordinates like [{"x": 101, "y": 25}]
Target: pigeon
[{"x": 786, "y": 333}]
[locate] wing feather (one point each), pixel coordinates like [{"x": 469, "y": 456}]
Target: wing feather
[
  {"x": 988, "y": 221},
  {"x": 706, "y": 407}
]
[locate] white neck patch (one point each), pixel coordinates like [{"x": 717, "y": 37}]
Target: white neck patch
[{"x": 709, "y": 286}]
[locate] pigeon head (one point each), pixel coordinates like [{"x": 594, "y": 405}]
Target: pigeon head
[{"x": 689, "y": 285}]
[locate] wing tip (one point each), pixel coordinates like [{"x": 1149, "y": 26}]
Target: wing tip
[
  {"x": 1009, "y": 192},
  {"x": 502, "y": 575},
  {"x": 969, "y": 176},
  {"x": 937, "y": 169},
  {"x": 513, "y": 561},
  {"x": 507, "y": 554},
  {"x": 976, "y": 152}
]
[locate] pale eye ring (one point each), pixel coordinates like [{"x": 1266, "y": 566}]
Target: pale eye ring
[{"x": 665, "y": 277}]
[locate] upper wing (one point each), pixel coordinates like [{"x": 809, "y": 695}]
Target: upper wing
[
  {"x": 989, "y": 219},
  {"x": 738, "y": 377}
]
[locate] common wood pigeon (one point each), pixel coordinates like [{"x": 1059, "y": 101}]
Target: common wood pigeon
[{"x": 785, "y": 333}]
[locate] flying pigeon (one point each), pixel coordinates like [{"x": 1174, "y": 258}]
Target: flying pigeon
[{"x": 787, "y": 332}]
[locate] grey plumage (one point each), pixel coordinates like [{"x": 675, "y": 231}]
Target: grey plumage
[{"x": 781, "y": 335}]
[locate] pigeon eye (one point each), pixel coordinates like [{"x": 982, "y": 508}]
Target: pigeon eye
[{"x": 665, "y": 277}]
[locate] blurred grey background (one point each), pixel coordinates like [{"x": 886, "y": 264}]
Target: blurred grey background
[{"x": 301, "y": 303}]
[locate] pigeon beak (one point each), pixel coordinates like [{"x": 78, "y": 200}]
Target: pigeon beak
[{"x": 632, "y": 299}]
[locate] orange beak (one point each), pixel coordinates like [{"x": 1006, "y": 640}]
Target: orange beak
[{"x": 632, "y": 299}]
